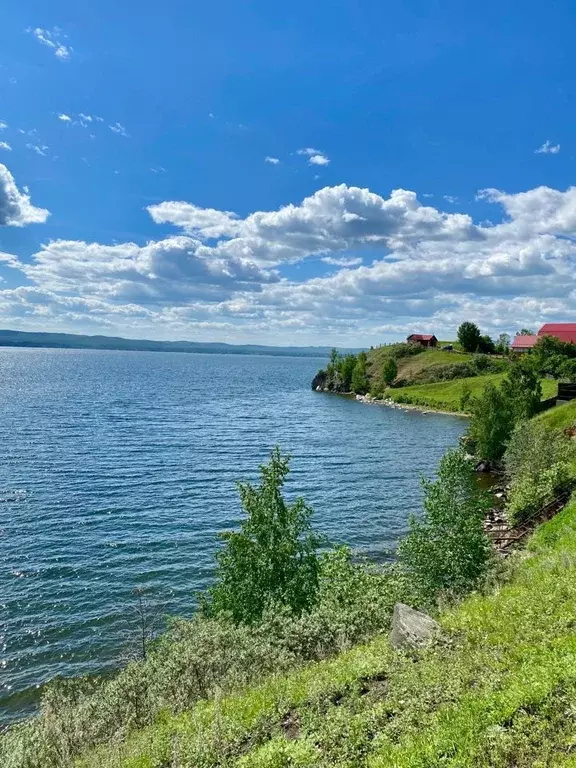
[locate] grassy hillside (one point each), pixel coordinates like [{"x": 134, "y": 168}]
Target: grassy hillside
[
  {"x": 409, "y": 367},
  {"x": 559, "y": 418},
  {"x": 446, "y": 395},
  {"x": 497, "y": 690}
]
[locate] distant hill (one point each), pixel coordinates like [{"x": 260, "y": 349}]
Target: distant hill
[{"x": 78, "y": 341}]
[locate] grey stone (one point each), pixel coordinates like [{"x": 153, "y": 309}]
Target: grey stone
[{"x": 411, "y": 628}]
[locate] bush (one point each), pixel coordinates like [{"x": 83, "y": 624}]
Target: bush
[
  {"x": 538, "y": 465},
  {"x": 534, "y": 447},
  {"x": 389, "y": 370},
  {"x": 273, "y": 558},
  {"x": 531, "y": 491},
  {"x": 198, "y": 658},
  {"x": 446, "y": 551}
]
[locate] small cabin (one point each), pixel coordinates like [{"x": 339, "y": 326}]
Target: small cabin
[{"x": 423, "y": 339}]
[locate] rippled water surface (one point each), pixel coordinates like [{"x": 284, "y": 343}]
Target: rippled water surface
[{"x": 119, "y": 469}]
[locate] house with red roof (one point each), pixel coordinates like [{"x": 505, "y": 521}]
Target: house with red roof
[
  {"x": 560, "y": 331},
  {"x": 424, "y": 339},
  {"x": 524, "y": 343}
]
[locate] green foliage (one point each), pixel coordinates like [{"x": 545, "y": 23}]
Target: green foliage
[
  {"x": 272, "y": 558},
  {"x": 486, "y": 345},
  {"x": 465, "y": 396},
  {"x": 531, "y": 491},
  {"x": 553, "y": 357},
  {"x": 497, "y": 410},
  {"x": 469, "y": 337},
  {"x": 478, "y": 365},
  {"x": 403, "y": 349},
  {"x": 337, "y": 377},
  {"x": 446, "y": 551},
  {"x": 538, "y": 464},
  {"x": 503, "y": 344},
  {"x": 534, "y": 447},
  {"x": 567, "y": 369},
  {"x": 522, "y": 390},
  {"x": 204, "y": 657},
  {"x": 389, "y": 370},
  {"x": 360, "y": 383},
  {"x": 497, "y": 692},
  {"x": 491, "y": 424},
  {"x": 525, "y": 332}
]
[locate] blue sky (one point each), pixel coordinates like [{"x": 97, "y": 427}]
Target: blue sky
[{"x": 152, "y": 154}]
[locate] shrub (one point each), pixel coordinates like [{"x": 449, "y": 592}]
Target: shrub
[
  {"x": 389, "y": 370},
  {"x": 465, "y": 396},
  {"x": 197, "y": 658},
  {"x": 534, "y": 447},
  {"x": 538, "y": 465},
  {"x": 446, "y": 551},
  {"x": 531, "y": 491},
  {"x": 273, "y": 558}
]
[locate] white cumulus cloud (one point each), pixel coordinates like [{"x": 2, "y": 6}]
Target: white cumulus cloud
[
  {"x": 400, "y": 264},
  {"x": 16, "y": 210},
  {"x": 5, "y": 145},
  {"x": 315, "y": 156},
  {"x": 64, "y": 117},
  {"x": 271, "y": 160}
]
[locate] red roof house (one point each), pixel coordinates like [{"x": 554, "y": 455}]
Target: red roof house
[
  {"x": 562, "y": 331},
  {"x": 523, "y": 343},
  {"x": 424, "y": 339}
]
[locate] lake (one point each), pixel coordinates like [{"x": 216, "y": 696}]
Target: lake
[{"x": 119, "y": 470}]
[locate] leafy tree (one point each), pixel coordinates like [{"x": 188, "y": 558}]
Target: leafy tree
[
  {"x": 486, "y": 345},
  {"x": 360, "y": 383},
  {"x": 503, "y": 344},
  {"x": 522, "y": 390},
  {"x": 273, "y": 558},
  {"x": 389, "y": 370},
  {"x": 496, "y": 411},
  {"x": 469, "y": 336},
  {"x": 334, "y": 356},
  {"x": 445, "y": 550},
  {"x": 346, "y": 370},
  {"x": 525, "y": 332},
  {"x": 491, "y": 424}
]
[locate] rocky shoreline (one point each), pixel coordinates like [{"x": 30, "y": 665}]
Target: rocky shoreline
[{"x": 389, "y": 403}]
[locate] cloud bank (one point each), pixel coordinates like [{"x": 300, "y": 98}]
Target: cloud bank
[{"x": 395, "y": 265}]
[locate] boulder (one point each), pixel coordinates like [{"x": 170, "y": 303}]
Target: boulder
[{"x": 411, "y": 628}]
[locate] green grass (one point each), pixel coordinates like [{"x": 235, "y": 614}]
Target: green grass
[
  {"x": 446, "y": 395},
  {"x": 496, "y": 691},
  {"x": 414, "y": 364},
  {"x": 560, "y": 417}
]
